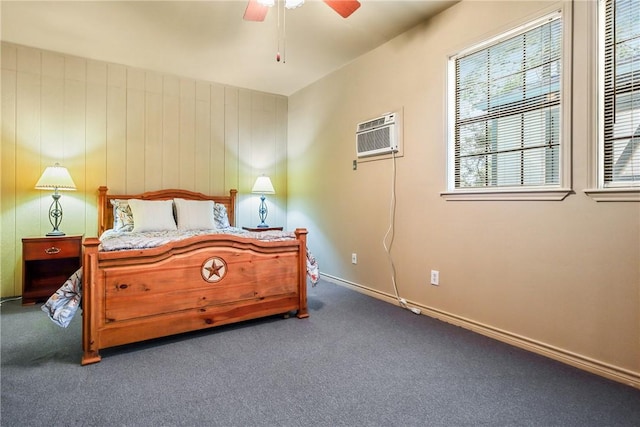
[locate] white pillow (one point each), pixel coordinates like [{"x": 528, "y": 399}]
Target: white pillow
[
  {"x": 195, "y": 214},
  {"x": 152, "y": 215}
]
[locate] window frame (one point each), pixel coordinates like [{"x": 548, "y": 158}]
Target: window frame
[
  {"x": 602, "y": 191},
  {"x": 557, "y": 191}
]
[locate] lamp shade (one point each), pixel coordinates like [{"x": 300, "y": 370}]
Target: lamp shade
[
  {"x": 263, "y": 186},
  {"x": 55, "y": 177}
]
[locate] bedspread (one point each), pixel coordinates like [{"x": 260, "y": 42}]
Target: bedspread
[
  {"x": 63, "y": 304},
  {"x": 117, "y": 241}
]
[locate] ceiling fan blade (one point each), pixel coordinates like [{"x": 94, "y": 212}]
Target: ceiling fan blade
[
  {"x": 344, "y": 7},
  {"x": 255, "y": 11}
]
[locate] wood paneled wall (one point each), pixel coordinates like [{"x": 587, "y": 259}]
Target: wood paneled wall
[{"x": 133, "y": 130}]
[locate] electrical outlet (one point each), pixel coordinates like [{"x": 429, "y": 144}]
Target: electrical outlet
[
  {"x": 435, "y": 277},
  {"x": 354, "y": 258}
]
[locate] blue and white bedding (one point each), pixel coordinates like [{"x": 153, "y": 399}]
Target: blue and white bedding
[
  {"x": 118, "y": 240},
  {"x": 63, "y": 304}
]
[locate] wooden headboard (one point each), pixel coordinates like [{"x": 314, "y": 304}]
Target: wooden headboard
[{"x": 105, "y": 209}]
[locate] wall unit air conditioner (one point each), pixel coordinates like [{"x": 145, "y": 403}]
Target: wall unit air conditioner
[{"x": 377, "y": 136}]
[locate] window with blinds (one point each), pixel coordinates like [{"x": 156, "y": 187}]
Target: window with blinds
[
  {"x": 621, "y": 93},
  {"x": 507, "y": 110}
]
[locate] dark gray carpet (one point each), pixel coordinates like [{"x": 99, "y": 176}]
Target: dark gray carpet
[{"x": 356, "y": 361}]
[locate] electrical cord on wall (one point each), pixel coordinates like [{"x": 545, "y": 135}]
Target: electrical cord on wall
[
  {"x": 390, "y": 232},
  {"x": 10, "y": 299}
]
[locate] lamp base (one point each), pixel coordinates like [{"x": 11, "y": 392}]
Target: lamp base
[
  {"x": 262, "y": 213},
  {"x": 55, "y": 215}
]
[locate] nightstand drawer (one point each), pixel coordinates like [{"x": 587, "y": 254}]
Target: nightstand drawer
[{"x": 51, "y": 248}]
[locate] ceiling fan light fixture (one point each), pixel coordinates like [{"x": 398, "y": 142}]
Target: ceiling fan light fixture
[
  {"x": 292, "y": 4},
  {"x": 267, "y": 3}
]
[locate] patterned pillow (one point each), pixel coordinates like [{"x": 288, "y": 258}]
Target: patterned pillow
[
  {"x": 220, "y": 216},
  {"x": 122, "y": 215}
]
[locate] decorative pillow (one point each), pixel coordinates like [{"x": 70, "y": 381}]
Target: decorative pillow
[
  {"x": 122, "y": 216},
  {"x": 221, "y": 216},
  {"x": 195, "y": 214},
  {"x": 152, "y": 215}
]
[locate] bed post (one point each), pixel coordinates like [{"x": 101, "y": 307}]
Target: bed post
[
  {"x": 231, "y": 213},
  {"x": 89, "y": 321},
  {"x": 301, "y": 235},
  {"x": 102, "y": 200}
]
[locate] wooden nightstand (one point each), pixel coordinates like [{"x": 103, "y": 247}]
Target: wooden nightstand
[
  {"x": 262, "y": 228},
  {"x": 46, "y": 263}
]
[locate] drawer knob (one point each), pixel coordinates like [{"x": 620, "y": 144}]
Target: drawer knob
[{"x": 52, "y": 250}]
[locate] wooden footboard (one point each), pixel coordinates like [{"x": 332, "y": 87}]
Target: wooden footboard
[
  {"x": 188, "y": 285},
  {"x": 191, "y": 284}
]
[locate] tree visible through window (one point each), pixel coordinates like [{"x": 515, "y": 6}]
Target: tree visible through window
[
  {"x": 507, "y": 118},
  {"x": 621, "y": 109}
]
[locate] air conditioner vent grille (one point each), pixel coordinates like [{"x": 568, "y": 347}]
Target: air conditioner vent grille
[
  {"x": 374, "y": 140},
  {"x": 371, "y": 124}
]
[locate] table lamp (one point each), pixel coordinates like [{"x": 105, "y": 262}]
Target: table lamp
[
  {"x": 55, "y": 178},
  {"x": 263, "y": 186}
]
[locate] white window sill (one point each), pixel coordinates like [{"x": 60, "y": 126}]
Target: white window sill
[
  {"x": 515, "y": 194},
  {"x": 614, "y": 194}
]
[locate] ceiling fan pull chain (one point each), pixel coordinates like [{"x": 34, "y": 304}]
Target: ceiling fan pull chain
[
  {"x": 278, "y": 31},
  {"x": 284, "y": 35},
  {"x": 282, "y": 32}
]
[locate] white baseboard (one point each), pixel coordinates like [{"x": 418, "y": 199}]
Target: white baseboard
[{"x": 579, "y": 361}]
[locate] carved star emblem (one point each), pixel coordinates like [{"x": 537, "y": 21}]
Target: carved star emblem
[{"x": 214, "y": 269}]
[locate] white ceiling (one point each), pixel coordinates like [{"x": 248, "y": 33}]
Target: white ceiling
[{"x": 209, "y": 40}]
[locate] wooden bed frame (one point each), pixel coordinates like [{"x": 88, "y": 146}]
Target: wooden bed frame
[{"x": 196, "y": 283}]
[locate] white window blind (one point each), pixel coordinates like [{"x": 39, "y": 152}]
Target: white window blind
[
  {"x": 621, "y": 109},
  {"x": 508, "y": 109}
]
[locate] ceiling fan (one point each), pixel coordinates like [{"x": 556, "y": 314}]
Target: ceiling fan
[{"x": 257, "y": 9}]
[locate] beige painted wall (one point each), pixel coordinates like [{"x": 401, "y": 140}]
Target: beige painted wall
[
  {"x": 132, "y": 130},
  {"x": 562, "y": 278}
]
